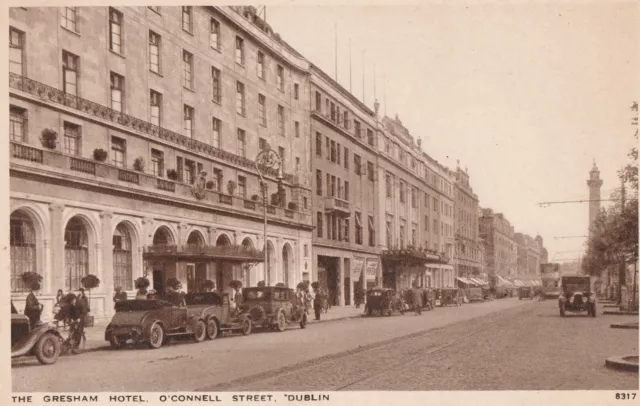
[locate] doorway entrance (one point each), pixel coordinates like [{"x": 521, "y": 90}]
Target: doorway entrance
[
  {"x": 330, "y": 277},
  {"x": 158, "y": 281}
]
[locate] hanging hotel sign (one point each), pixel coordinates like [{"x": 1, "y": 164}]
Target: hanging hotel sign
[
  {"x": 358, "y": 266},
  {"x": 372, "y": 268}
]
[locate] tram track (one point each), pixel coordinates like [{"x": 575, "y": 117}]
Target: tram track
[{"x": 424, "y": 348}]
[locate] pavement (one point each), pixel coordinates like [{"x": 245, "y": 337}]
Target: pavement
[
  {"x": 96, "y": 342},
  {"x": 505, "y": 344},
  {"x": 197, "y": 366}
]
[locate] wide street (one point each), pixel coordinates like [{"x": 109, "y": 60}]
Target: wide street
[{"x": 500, "y": 345}]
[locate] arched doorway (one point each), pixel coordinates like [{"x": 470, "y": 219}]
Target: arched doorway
[
  {"x": 223, "y": 241},
  {"x": 122, "y": 258},
  {"x": 271, "y": 263},
  {"x": 162, "y": 237},
  {"x": 23, "y": 251},
  {"x": 195, "y": 239},
  {"x": 287, "y": 263},
  {"x": 197, "y": 270},
  {"x": 76, "y": 253}
]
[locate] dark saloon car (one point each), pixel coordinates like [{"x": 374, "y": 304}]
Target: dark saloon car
[
  {"x": 382, "y": 301},
  {"x": 152, "y": 321},
  {"x": 214, "y": 309},
  {"x": 43, "y": 341},
  {"x": 525, "y": 292},
  {"x": 576, "y": 296},
  {"x": 273, "y": 307}
]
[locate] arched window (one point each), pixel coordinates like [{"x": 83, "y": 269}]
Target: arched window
[
  {"x": 122, "y": 258},
  {"x": 195, "y": 239},
  {"x": 162, "y": 237},
  {"x": 76, "y": 253},
  {"x": 22, "y": 241},
  {"x": 223, "y": 241}
]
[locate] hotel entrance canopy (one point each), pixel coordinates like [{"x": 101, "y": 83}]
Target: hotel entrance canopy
[{"x": 228, "y": 253}]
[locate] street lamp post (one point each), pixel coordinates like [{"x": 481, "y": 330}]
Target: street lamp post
[{"x": 267, "y": 159}]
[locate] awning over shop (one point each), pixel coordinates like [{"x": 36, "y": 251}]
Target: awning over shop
[
  {"x": 503, "y": 282},
  {"x": 478, "y": 281},
  {"x": 465, "y": 280},
  {"x": 230, "y": 253}
]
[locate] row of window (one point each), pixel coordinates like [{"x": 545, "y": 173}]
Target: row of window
[
  {"x": 332, "y": 111},
  {"x": 413, "y": 192},
  {"x": 335, "y": 186},
  {"x": 338, "y": 229},
  {"x": 335, "y": 153}
]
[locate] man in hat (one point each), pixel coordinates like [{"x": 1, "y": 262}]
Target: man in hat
[{"x": 119, "y": 295}]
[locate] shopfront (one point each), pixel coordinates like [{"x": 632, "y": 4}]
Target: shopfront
[{"x": 404, "y": 268}]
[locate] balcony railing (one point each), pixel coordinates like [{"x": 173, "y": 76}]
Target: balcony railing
[
  {"x": 54, "y": 95},
  {"x": 27, "y": 153},
  {"x": 128, "y": 176},
  {"x": 81, "y": 165},
  {"x": 165, "y": 185},
  {"x": 61, "y": 162},
  {"x": 226, "y": 199},
  {"x": 337, "y": 205}
]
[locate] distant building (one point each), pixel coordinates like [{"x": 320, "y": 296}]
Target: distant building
[
  {"x": 595, "y": 184},
  {"x": 528, "y": 255},
  {"x": 467, "y": 257},
  {"x": 501, "y": 253}
]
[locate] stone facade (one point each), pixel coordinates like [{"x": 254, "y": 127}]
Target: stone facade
[
  {"x": 468, "y": 254},
  {"x": 500, "y": 248},
  {"x": 74, "y": 214}
]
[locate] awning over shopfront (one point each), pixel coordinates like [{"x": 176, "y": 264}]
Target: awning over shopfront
[
  {"x": 478, "y": 282},
  {"x": 229, "y": 253},
  {"x": 503, "y": 282},
  {"x": 412, "y": 256},
  {"x": 465, "y": 281}
]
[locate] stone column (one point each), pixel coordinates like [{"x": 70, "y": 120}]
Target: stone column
[
  {"x": 341, "y": 288},
  {"x": 146, "y": 239},
  {"x": 278, "y": 261},
  {"x": 351, "y": 280},
  {"x": 57, "y": 247},
  {"x": 107, "y": 253}
]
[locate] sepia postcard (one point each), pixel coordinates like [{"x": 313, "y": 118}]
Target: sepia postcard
[{"x": 314, "y": 202}]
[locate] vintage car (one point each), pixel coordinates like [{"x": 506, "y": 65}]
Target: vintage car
[
  {"x": 449, "y": 296},
  {"x": 383, "y": 301},
  {"x": 576, "y": 295},
  {"x": 214, "y": 309},
  {"x": 525, "y": 292},
  {"x": 475, "y": 294},
  {"x": 273, "y": 307},
  {"x": 152, "y": 321},
  {"x": 43, "y": 341}
]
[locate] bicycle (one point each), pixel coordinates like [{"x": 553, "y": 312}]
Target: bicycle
[{"x": 74, "y": 338}]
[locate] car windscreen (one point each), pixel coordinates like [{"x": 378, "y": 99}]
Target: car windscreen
[
  {"x": 256, "y": 295},
  {"x": 375, "y": 293},
  {"x": 140, "y": 305}
]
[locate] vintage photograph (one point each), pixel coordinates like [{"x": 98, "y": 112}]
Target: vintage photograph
[{"x": 436, "y": 196}]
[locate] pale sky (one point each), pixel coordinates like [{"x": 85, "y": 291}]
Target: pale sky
[{"x": 525, "y": 95}]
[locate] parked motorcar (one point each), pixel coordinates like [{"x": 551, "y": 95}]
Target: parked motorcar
[
  {"x": 273, "y": 307},
  {"x": 215, "y": 310},
  {"x": 525, "y": 292},
  {"x": 576, "y": 295},
  {"x": 475, "y": 294},
  {"x": 44, "y": 342},
  {"x": 383, "y": 301},
  {"x": 152, "y": 321}
]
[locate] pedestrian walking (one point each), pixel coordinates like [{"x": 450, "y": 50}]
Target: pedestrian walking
[
  {"x": 32, "y": 307},
  {"x": 317, "y": 304},
  {"x": 417, "y": 300}
]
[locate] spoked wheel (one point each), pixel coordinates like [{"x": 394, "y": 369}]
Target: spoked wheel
[
  {"x": 156, "y": 336},
  {"x": 246, "y": 327},
  {"x": 212, "y": 329},
  {"x": 200, "y": 331},
  {"x": 281, "y": 322},
  {"x": 48, "y": 349},
  {"x": 115, "y": 342}
]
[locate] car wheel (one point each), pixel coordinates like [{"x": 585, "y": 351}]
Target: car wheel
[
  {"x": 282, "y": 322},
  {"x": 246, "y": 327},
  {"x": 303, "y": 322},
  {"x": 48, "y": 349},
  {"x": 115, "y": 342},
  {"x": 156, "y": 336},
  {"x": 561, "y": 310},
  {"x": 212, "y": 329},
  {"x": 200, "y": 331}
]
